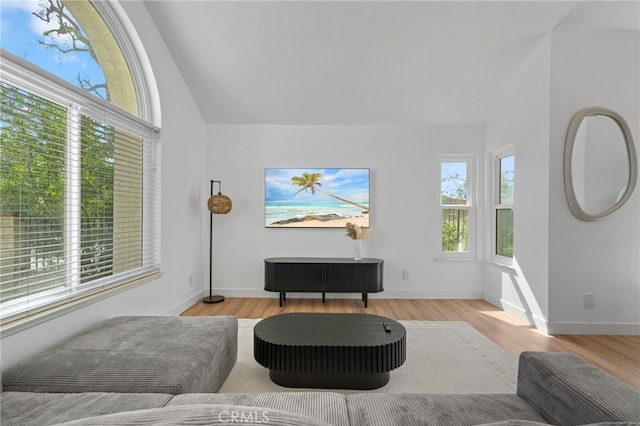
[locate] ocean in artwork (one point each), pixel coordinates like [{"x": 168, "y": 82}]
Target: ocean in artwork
[
  {"x": 316, "y": 197},
  {"x": 279, "y": 211}
]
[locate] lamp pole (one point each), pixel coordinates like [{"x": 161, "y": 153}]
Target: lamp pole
[{"x": 211, "y": 298}]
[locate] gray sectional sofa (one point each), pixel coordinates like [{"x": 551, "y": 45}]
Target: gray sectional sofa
[
  {"x": 167, "y": 370},
  {"x": 141, "y": 354}
]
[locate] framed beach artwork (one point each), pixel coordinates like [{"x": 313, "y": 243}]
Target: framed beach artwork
[{"x": 316, "y": 198}]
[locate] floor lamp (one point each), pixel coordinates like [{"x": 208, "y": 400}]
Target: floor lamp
[{"x": 217, "y": 204}]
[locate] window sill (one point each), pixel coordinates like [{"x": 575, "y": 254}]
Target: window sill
[
  {"x": 500, "y": 264},
  {"x": 23, "y": 323},
  {"x": 455, "y": 260}
]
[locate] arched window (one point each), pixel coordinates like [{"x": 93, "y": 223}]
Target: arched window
[{"x": 79, "y": 159}]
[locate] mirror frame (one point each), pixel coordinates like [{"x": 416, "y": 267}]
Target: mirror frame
[{"x": 632, "y": 162}]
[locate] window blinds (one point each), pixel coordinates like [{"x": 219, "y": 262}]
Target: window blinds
[{"x": 79, "y": 199}]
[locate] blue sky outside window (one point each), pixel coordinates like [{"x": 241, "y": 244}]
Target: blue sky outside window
[{"x": 23, "y": 34}]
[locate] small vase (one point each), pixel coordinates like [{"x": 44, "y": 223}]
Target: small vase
[{"x": 356, "y": 250}]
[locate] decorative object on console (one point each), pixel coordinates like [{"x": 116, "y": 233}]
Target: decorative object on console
[
  {"x": 357, "y": 233},
  {"x": 357, "y": 250},
  {"x": 217, "y": 204}
]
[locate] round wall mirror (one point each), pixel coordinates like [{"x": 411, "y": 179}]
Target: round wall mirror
[{"x": 600, "y": 163}]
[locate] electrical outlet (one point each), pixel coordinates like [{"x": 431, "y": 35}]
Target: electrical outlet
[
  {"x": 190, "y": 279},
  {"x": 405, "y": 275},
  {"x": 588, "y": 300}
]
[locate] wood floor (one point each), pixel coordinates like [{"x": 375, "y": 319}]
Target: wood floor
[{"x": 617, "y": 355}]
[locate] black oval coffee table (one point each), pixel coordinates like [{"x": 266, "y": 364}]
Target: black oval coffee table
[{"x": 331, "y": 351}]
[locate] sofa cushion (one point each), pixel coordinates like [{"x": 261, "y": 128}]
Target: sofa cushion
[
  {"x": 202, "y": 415},
  {"x": 41, "y": 409},
  {"x": 329, "y": 407},
  {"x": 514, "y": 423},
  {"x": 134, "y": 355},
  {"x": 569, "y": 391},
  {"x": 437, "y": 409},
  {"x": 528, "y": 423}
]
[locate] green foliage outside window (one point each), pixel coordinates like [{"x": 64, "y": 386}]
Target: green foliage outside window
[
  {"x": 504, "y": 214},
  {"x": 455, "y": 221},
  {"x": 34, "y": 177},
  {"x": 504, "y": 232},
  {"x": 32, "y": 160},
  {"x": 455, "y": 227},
  {"x": 96, "y": 200},
  {"x": 33, "y": 186}
]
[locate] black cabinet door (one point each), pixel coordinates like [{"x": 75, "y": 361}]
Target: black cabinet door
[
  {"x": 353, "y": 278},
  {"x": 293, "y": 277}
]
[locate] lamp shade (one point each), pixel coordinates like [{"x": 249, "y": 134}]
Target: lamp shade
[{"x": 219, "y": 204}]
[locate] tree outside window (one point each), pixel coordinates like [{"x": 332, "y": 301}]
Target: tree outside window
[
  {"x": 505, "y": 181},
  {"x": 72, "y": 186},
  {"x": 455, "y": 204}
]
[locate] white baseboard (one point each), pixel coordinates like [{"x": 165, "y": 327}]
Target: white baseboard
[
  {"x": 521, "y": 314},
  {"x": 187, "y": 303},
  {"x": 387, "y": 294},
  {"x": 611, "y": 329}
]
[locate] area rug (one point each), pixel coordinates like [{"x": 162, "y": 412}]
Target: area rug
[{"x": 442, "y": 357}]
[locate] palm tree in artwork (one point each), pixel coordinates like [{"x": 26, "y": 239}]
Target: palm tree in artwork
[{"x": 309, "y": 181}]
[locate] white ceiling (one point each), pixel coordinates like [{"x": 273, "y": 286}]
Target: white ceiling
[{"x": 363, "y": 62}]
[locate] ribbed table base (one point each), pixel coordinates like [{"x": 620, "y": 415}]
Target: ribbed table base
[
  {"x": 330, "y": 381},
  {"x": 329, "y": 351}
]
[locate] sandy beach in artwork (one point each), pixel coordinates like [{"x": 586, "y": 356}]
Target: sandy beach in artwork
[
  {"x": 316, "y": 198},
  {"x": 362, "y": 221}
]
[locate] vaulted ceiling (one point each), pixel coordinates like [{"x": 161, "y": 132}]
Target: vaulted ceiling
[{"x": 364, "y": 62}]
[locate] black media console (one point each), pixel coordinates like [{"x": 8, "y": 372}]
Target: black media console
[{"x": 323, "y": 275}]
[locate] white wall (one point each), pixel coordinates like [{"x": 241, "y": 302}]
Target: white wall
[
  {"x": 603, "y": 257},
  {"x": 558, "y": 258},
  {"x": 523, "y": 121},
  {"x": 404, "y": 214},
  {"x": 183, "y": 191}
]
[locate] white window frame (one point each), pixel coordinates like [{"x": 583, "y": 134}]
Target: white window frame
[
  {"x": 126, "y": 37},
  {"x": 496, "y": 157},
  {"x": 149, "y": 111},
  {"x": 470, "y": 207},
  {"x": 26, "y": 76}
]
